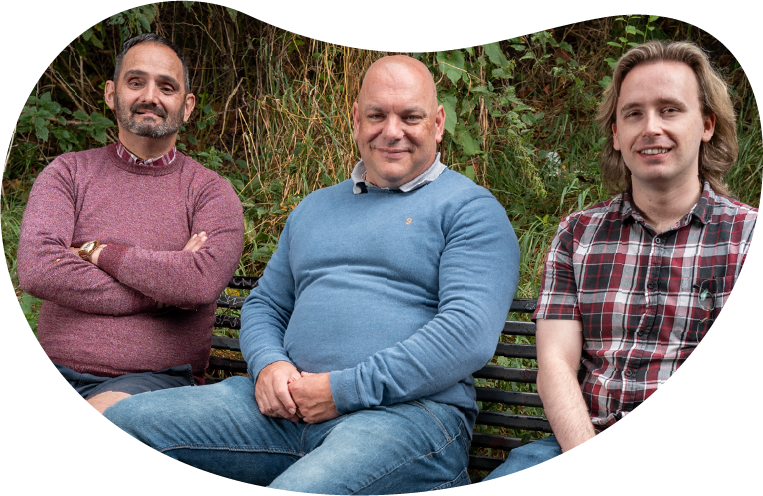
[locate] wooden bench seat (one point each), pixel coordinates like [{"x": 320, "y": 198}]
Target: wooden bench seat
[{"x": 501, "y": 389}]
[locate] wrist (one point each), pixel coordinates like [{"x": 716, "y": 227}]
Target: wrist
[{"x": 94, "y": 255}]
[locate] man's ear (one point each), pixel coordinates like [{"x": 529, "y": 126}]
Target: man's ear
[
  {"x": 616, "y": 142},
  {"x": 439, "y": 122},
  {"x": 190, "y": 104},
  {"x": 355, "y": 121},
  {"x": 709, "y": 128},
  {"x": 108, "y": 94}
]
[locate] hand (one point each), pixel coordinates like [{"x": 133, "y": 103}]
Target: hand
[
  {"x": 312, "y": 394},
  {"x": 195, "y": 242},
  {"x": 272, "y": 391}
]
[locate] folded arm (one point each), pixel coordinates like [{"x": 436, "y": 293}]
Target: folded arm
[
  {"x": 560, "y": 344},
  {"x": 187, "y": 278},
  {"x": 47, "y": 268}
]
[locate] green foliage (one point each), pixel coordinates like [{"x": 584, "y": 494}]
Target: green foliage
[
  {"x": 134, "y": 21},
  {"x": 31, "y": 308}
]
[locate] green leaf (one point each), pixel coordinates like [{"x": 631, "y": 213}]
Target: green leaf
[
  {"x": 452, "y": 65},
  {"x": 81, "y": 115},
  {"x": 41, "y": 128},
  {"x": 469, "y": 172},
  {"x": 449, "y": 102},
  {"x": 495, "y": 54},
  {"x": 630, "y": 29},
  {"x": 97, "y": 42},
  {"x": 468, "y": 144},
  {"x": 232, "y": 13}
]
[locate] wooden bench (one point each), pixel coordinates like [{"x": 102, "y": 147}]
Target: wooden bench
[{"x": 509, "y": 414}]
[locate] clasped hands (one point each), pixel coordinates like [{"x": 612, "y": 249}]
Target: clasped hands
[{"x": 282, "y": 391}]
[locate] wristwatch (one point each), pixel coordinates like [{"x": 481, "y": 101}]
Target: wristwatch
[{"x": 87, "y": 249}]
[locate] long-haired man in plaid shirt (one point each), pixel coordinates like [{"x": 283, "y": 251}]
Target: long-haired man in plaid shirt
[{"x": 632, "y": 284}]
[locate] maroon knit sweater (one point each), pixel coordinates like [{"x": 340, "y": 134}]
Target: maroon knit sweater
[{"x": 103, "y": 319}]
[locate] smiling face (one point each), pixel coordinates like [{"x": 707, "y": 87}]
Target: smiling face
[
  {"x": 397, "y": 122},
  {"x": 149, "y": 98},
  {"x": 659, "y": 125}
]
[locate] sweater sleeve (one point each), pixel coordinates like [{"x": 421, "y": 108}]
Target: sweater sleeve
[
  {"x": 187, "y": 279},
  {"x": 266, "y": 312},
  {"x": 479, "y": 271},
  {"x": 45, "y": 266}
]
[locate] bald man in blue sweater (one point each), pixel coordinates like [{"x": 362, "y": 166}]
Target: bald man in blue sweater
[{"x": 387, "y": 291}]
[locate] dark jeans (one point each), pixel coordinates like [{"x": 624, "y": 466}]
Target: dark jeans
[{"x": 89, "y": 385}]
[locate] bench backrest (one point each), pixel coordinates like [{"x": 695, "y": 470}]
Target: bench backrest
[{"x": 510, "y": 410}]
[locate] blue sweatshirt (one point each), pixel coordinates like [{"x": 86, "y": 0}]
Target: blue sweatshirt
[{"x": 400, "y": 296}]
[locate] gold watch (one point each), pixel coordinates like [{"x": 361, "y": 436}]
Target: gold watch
[{"x": 87, "y": 249}]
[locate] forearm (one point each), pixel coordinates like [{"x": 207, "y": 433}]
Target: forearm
[
  {"x": 564, "y": 406},
  {"x": 182, "y": 277},
  {"x": 48, "y": 270},
  {"x": 559, "y": 345}
]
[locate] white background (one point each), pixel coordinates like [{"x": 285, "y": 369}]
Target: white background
[{"x": 697, "y": 434}]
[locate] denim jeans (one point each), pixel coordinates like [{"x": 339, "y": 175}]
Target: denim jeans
[
  {"x": 406, "y": 447},
  {"x": 527, "y": 456}
]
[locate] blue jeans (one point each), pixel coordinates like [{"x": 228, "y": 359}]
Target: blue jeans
[
  {"x": 406, "y": 447},
  {"x": 527, "y": 456}
]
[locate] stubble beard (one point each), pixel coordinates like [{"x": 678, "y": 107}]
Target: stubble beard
[{"x": 149, "y": 128}]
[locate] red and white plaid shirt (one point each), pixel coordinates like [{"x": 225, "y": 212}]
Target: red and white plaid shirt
[
  {"x": 131, "y": 158},
  {"x": 645, "y": 299}
]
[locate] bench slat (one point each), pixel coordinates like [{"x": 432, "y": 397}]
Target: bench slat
[
  {"x": 493, "y": 395},
  {"x": 499, "y": 373},
  {"x": 518, "y": 328},
  {"x": 495, "y": 441},
  {"x": 512, "y": 350},
  {"x": 510, "y": 421}
]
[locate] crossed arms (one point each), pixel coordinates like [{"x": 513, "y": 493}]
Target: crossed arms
[{"x": 128, "y": 279}]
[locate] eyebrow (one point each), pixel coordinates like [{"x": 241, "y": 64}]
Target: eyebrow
[
  {"x": 408, "y": 110},
  {"x": 161, "y": 77},
  {"x": 661, "y": 101}
]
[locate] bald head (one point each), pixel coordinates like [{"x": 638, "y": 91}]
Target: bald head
[
  {"x": 404, "y": 70},
  {"x": 397, "y": 122}
]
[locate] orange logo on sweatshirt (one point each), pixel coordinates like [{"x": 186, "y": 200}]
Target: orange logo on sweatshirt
[{"x": 408, "y": 221}]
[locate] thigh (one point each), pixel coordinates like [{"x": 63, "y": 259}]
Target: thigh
[
  {"x": 144, "y": 382},
  {"x": 217, "y": 428},
  {"x": 408, "y": 447},
  {"x": 527, "y": 456},
  {"x": 83, "y": 383}
]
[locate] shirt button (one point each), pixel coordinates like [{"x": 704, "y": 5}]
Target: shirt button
[
  {"x": 628, "y": 373},
  {"x": 651, "y": 285},
  {"x": 658, "y": 240}
]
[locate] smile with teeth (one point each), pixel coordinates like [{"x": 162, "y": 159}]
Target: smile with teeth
[{"x": 654, "y": 151}]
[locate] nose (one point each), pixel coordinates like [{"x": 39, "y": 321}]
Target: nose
[
  {"x": 393, "y": 128},
  {"x": 652, "y": 124},
  {"x": 150, "y": 93}
]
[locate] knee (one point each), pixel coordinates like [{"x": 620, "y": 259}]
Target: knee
[{"x": 130, "y": 414}]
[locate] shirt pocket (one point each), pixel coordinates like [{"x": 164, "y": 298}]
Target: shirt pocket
[{"x": 707, "y": 298}]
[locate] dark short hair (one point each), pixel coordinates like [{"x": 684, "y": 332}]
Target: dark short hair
[
  {"x": 715, "y": 156},
  {"x": 152, "y": 38}
]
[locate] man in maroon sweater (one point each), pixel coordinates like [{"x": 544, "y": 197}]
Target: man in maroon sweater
[{"x": 129, "y": 245}]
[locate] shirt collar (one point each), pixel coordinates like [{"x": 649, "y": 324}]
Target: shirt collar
[
  {"x": 702, "y": 210},
  {"x": 129, "y": 157},
  {"x": 358, "y": 177}
]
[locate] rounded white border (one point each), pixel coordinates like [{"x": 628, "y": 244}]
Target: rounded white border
[{"x": 691, "y": 436}]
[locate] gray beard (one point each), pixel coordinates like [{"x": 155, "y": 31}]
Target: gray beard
[{"x": 169, "y": 125}]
